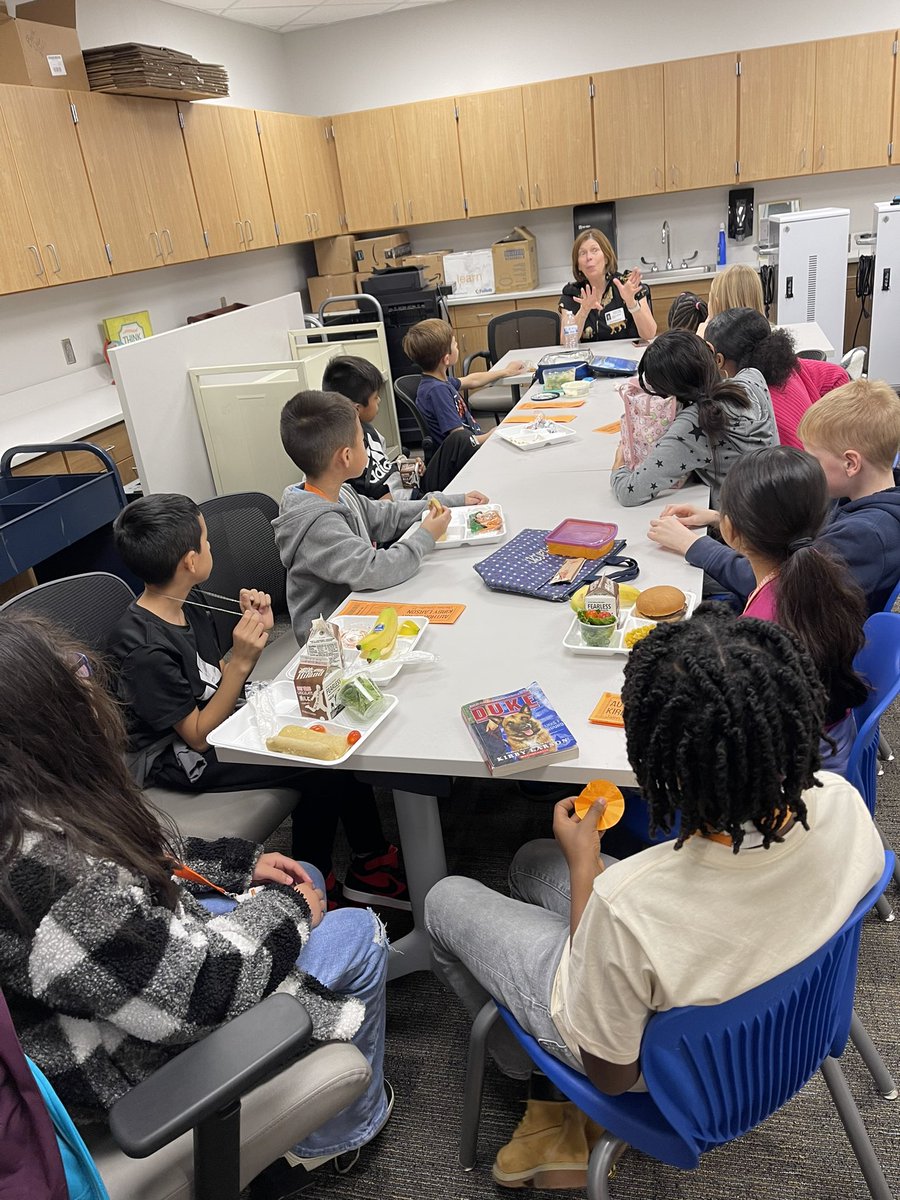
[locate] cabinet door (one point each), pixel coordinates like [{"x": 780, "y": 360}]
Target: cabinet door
[
  {"x": 778, "y": 89},
  {"x": 168, "y": 179},
  {"x": 854, "y": 90},
  {"x": 248, "y": 175},
  {"x": 320, "y": 176},
  {"x": 430, "y": 171},
  {"x": 558, "y": 137},
  {"x": 492, "y": 151},
  {"x": 629, "y": 131},
  {"x": 281, "y": 141},
  {"x": 211, "y": 173},
  {"x": 108, "y": 139},
  {"x": 21, "y": 266},
  {"x": 701, "y": 121},
  {"x": 54, "y": 181},
  {"x": 370, "y": 169}
]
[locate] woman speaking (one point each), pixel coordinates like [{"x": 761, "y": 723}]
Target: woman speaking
[{"x": 605, "y": 303}]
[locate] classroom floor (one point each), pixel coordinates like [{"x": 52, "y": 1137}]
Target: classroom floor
[{"x": 800, "y": 1152}]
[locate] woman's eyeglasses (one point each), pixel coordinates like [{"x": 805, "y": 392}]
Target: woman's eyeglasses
[{"x": 81, "y": 666}]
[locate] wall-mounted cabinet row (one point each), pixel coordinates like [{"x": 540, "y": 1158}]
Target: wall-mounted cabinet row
[{"x": 93, "y": 185}]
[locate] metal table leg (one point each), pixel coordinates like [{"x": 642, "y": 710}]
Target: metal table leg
[{"x": 422, "y": 842}]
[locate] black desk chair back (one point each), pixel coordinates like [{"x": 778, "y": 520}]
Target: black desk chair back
[
  {"x": 510, "y": 331},
  {"x": 815, "y": 355},
  {"x": 405, "y": 389},
  {"x": 87, "y": 607}
]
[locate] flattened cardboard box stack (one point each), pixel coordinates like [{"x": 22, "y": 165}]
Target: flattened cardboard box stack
[{"x": 133, "y": 69}]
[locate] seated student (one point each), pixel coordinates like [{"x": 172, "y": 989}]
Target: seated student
[
  {"x": 737, "y": 286},
  {"x": 432, "y": 346},
  {"x": 176, "y": 691},
  {"x": 332, "y": 540},
  {"x": 687, "y": 311},
  {"x": 773, "y": 505},
  {"x": 585, "y": 950},
  {"x": 110, "y": 965},
  {"x": 742, "y": 337},
  {"x": 854, "y": 432},
  {"x": 716, "y": 422}
]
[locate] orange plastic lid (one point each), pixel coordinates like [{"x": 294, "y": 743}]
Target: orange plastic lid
[{"x": 601, "y": 789}]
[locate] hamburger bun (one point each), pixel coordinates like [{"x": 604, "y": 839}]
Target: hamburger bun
[{"x": 661, "y": 604}]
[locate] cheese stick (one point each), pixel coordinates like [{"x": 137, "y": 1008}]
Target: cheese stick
[{"x": 308, "y": 743}]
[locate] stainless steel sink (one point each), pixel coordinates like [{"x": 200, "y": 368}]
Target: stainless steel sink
[{"x": 678, "y": 273}]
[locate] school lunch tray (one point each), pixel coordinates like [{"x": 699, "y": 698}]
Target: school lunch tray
[
  {"x": 523, "y": 438},
  {"x": 353, "y": 628},
  {"x": 627, "y": 621},
  {"x": 240, "y": 733},
  {"x": 458, "y": 532}
]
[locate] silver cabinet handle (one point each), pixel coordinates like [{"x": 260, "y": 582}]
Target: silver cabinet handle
[
  {"x": 316, "y": 222},
  {"x": 822, "y": 155},
  {"x": 52, "y": 250},
  {"x": 396, "y": 212},
  {"x": 409, "y": 206},
  {"x": 803, "y": 157},
  {"x": 240, "y": 229},
  {"x": 657, "y": 178},
  {"x": 537, "y": 192},
  {"x": 248, "y": 229},
  {"x": 168, "y": 237},
  {"x": 521, "y": 196},
  {"x": 154, "y": 238},
  {"x": 38, "y": 264},
  {"x": 308, "y": 222}
]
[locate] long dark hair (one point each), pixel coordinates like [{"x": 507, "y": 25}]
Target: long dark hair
[
  {"x": 744, "y": 336},
  {"x": 680, "y": 364},
  {"x": 776, "y": 499},
  {"x": 723, "y": 718},
  {"x": 62, "y": 761}
]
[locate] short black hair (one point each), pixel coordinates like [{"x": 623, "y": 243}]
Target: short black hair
[
  {"x": 314, "y": 426},
  {"x": 152, "y": 535},
  {"x": 353, "y": 377},
  {"x": 723, "y": 720}
]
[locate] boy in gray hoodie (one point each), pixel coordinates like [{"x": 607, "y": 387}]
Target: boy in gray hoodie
[{"x": 332, "y": 540}]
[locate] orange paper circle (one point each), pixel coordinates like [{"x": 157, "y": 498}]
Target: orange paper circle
[{"x": 601, "y": 789}]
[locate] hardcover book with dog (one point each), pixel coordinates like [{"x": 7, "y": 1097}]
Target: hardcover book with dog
[{"x": 518, "y": 731}]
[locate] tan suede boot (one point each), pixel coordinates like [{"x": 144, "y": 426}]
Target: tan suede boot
[{"x": 548, "y": 1150}]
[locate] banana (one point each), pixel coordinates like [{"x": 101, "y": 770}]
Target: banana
[
  {"x": 379, "y": 642},
  {"x": 409, "y": 629}
]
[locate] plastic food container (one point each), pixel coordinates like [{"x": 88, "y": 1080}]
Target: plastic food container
[
  {"x": 597, "y": 633},
  {"x": 556, "y": 378},
  {"x": 578, "y": 387},
  {"x": 573, "y": 538}
]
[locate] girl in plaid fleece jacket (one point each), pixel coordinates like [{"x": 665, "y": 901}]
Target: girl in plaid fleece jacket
[{"x": 110, "y": 966}]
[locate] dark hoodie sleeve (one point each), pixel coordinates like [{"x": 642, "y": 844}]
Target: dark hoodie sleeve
[
  {"x": 723, "y": 564},
  {"x": 872, "y": 557}
]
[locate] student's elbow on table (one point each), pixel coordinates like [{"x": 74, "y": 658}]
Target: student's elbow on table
[{"x": 628, "y": 499}]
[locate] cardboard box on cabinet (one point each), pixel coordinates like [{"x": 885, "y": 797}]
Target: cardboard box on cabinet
[
  {"x": 515, "y": 261},
  {"x": 39, "y": 47},
  {"x": 470, "y": 272},
  {"x": 431, "y": 262},
  {"x": 323, "y": 287},
  {"x": 375, "y": 253},
  {"x": 335, "y": 256}
]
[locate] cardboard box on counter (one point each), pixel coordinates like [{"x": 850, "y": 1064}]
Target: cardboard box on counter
[
  {"x": 431, "y": 262},
  {"x": 322, "y": 287},
  {"x": 377, "y": 252},
  {"x": 470, "y": 272},
  {"x": 335, "y": 256},
  {"x": 515, "y": 261},
  {"x": 39, "y": 46}
]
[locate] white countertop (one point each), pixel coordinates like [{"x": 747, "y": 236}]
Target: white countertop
[{"x": 44, "y": 414}]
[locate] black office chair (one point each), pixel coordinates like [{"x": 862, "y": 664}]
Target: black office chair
[
  {"x": 511, "y": 331},
  {"x": 87, "y": 607},
  {"x": 405, "y": 389},
  {"x": 815, "y": 355}
]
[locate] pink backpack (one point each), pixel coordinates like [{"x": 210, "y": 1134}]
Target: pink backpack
[{"x": 645, "y": 419}]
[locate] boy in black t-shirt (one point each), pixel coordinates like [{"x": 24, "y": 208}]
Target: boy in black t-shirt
[{"x": 177, "y": 690}]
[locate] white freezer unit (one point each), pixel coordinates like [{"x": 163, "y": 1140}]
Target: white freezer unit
[
  {"x": 811, "y": 260},
  {"x": 884, "y": 335}
]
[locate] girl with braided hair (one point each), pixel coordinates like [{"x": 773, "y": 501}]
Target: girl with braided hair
[
  {"x": 687, "y": 311},
  {"x": 773, "y": 506},
  {"x": 722, "y": 722}
]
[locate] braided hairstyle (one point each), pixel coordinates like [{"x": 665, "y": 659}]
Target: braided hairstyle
[
  {"x": 723, "y": 717},
  {"x": 679, "y": 364},
  {"x": 744, "y": 336},
  {"x": 687, "y": 311}
]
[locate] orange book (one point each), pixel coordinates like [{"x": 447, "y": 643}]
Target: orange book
[
  {"x": 612, "y": 427},
  {"x": 437, "y": 614},
  {"x": 608, "y": 711},
  {"x": 560, "y": 417},
  {"x": 552, "y": 404}
]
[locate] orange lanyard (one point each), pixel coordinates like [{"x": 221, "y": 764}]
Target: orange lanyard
[
  {"x": 311, "y": 487},
  {"x": 192, "y": 876},
  {"x": 725, "y": 839}
]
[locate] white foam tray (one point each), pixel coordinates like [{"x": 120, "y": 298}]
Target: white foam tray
[
  {"x": 353, "y": 628},
  {"x": 627, "y": 620},
  {"x": 458, "y": 530},
  {"x": 523, "y": 438}
]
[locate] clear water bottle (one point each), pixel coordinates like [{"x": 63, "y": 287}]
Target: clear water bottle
[{"x": 570, "y": 332}]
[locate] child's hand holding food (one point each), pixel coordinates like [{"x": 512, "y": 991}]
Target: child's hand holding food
[
  {"x": 438, "y": 520},
  {"x": 248, "y": 640}
]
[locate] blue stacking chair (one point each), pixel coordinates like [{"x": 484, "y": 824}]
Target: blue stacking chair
[{"x": 714, "y": 1072}]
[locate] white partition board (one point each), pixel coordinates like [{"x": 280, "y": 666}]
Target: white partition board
[{"x": 153, "y": 385}]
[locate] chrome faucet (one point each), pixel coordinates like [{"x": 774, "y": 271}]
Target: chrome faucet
[{"x": 667, "y": 242}]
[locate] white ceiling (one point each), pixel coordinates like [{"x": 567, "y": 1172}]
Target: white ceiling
[{"x": 284, "y": 17}]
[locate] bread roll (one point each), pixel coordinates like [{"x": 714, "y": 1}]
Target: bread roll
[{"x": 308, "y": 743}]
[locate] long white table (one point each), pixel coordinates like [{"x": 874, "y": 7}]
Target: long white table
[{"x": 503, "y": 642}]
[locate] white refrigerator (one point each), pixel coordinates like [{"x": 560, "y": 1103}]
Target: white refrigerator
[
  {"x": 884, "y": 336},
  {"x": 811, "y": 260}
]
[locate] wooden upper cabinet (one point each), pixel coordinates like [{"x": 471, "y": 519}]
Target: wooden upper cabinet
[
  {"x": 108, "y": 140},
  {"x": 370, "y": 169},
  {"x": 248, "y": 176},
  {"x": 54, "y": 182},
  {"x": 492, "y": 151},
  {"x": 778, "y": 88},
  {"x": 281, "y": 141},
  {"x": 629, "y": 132},
  {"x": 701, "y": 121},
  {"x": 21, "y": 266},
  {"x": 854, "y": 89},
  {"x": 895, "y": 126},
  {"x": 211, "y": 172},
  {"x": 558, "y": 138},
  {"x": 430, "y": 171},
  {"x": 321, "y": 181},
  {"x": 168, "y": 179}
]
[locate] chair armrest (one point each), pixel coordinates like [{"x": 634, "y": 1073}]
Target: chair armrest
[
  {"x": 210, "y": 1075},
  {"x": 470, "y": 358}
]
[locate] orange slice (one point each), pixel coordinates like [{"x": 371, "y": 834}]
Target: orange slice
[{"x": 601, "y": 789}]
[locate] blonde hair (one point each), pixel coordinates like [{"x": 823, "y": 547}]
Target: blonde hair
[
  {"x": 862, "y": 415},
  {"x": 427, "y": 343},
  {"x": 738, "y": 286},
  {"x": 605, "y": 245}
]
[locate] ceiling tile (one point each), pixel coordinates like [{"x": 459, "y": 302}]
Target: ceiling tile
[
  {"x": 329, "y": 14},
  {"x": 282, "y": 15},
  {"x": 268, "y": 16}
]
